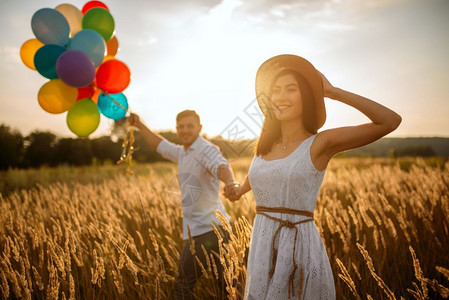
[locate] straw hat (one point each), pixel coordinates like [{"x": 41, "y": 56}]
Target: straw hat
[{"x": 273, "y": 66}]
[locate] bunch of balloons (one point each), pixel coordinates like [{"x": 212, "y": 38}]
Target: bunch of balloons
[{"x": 76, "y": 51}]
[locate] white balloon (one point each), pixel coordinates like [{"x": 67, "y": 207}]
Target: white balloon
[{"x": 73, "y": 15}]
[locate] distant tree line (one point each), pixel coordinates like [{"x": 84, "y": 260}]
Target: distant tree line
[
  {"x": 425, "y": 151},
  {"x": 400, "y": 147},
  {"x": 43, "y": 148}
]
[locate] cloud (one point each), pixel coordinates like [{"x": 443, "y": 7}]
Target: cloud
[{"x": 344, "y": 13}]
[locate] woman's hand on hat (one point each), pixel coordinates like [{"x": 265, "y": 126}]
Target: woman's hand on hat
[{"x": 328, "y": 88}]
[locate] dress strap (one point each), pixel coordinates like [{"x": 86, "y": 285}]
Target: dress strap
[{"x": 263, "y": 210}]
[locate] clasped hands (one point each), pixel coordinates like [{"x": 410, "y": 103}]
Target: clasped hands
[{"x": 232, "y": 191}]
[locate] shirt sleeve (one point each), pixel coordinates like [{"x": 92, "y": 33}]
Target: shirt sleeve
[
  {"x": 169, "y": 150},
  {"x": 211, "y": 158}
]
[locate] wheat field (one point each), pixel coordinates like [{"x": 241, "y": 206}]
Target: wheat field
[{"x": 98, "y": 233}]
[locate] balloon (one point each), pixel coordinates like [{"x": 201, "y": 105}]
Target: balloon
[
  {"x": 83, "y": 118},
  {"x": 28, "y": 50},
  {"x": 45, "y": 60},
  {"x": 110, "y": 109},
  {"x": 50, "y": 27},
  {"x": 108, "y": 57},
  {"x": 75, "y": 68},
  {"x": 112, "y": 46},
  {"x": 97, "y": 93},
  {"x": 101, "y": 21},
  {"x": 73, "y": 16},
  {"x": 91, "y": 43},
  {"x": 56, "y": 97},
  {"x": 85, "y": 92},
  {"x": 113, "y": 76},
  {"x": 92, "y": 4}
]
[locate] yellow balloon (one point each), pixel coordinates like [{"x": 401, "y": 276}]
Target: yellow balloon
[
  {"x": 57, "y": 97},
  {"x": 28, "y": 50},
  {"x": 73, "y": 16},
  {"x": 83, "y": 118},
  {"x": 108, "y": 57}
]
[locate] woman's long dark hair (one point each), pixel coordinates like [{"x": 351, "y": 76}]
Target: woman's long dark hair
[{"x": 271, "y": 128}]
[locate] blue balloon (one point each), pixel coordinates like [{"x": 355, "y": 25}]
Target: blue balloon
[
  {"x": 111, "y": 109},
  {"x": 50, "y": 27},
  {"x": 91, "y": 43},
  {"x": 45, "y": 60}
]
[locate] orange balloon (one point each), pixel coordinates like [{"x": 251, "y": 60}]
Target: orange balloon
[
  {"x": 28, "y": 50},
  {"x": 95, "y": 95},
  {"x": 57, "y": 97},
  {"x": 112, "y": 46}
]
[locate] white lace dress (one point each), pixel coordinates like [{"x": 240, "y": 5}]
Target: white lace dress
[{"x": 291, "y": 182}]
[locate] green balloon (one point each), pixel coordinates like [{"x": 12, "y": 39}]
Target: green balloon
[
  {"x": 100, "y": 20},
  {"x": 83, "y": 118}
]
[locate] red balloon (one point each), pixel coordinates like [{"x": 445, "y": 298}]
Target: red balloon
[
  {"x": 92, "y": 4},
  {"x": 113, "y": 76},
  {"x": 85, "y": 92}
]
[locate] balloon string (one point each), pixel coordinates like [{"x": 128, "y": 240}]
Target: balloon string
[
  {"x": 116, "y": 102},
  {"x": 128, "y": 150},
  {"x": 128, "y": 142}
]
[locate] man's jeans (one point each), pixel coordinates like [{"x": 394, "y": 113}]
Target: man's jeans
[{"x": 189, "y": 270}]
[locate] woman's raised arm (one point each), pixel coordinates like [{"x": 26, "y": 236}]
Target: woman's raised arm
[{"x": 332, "y": 141}]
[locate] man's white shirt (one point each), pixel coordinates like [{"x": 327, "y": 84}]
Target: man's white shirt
[{"x": 198, "y": 181}]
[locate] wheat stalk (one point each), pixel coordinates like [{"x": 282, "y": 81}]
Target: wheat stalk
[
  {"x": 347, "y": 278},
  {"x": 379, "y": 280}
]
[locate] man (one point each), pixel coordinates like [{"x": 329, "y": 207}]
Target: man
[{"x": 201, "y": 167}]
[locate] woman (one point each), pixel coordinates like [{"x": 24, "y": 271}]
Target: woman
[{"x": 287, "y": 258}]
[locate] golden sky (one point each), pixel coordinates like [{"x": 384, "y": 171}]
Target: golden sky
[{"x": 204, "y": 54}]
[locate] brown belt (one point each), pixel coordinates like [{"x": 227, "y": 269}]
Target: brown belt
[{"x": 263, "y": 210}]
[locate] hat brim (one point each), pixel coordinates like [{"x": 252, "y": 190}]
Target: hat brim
[{"x": 268, "y": 71}]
